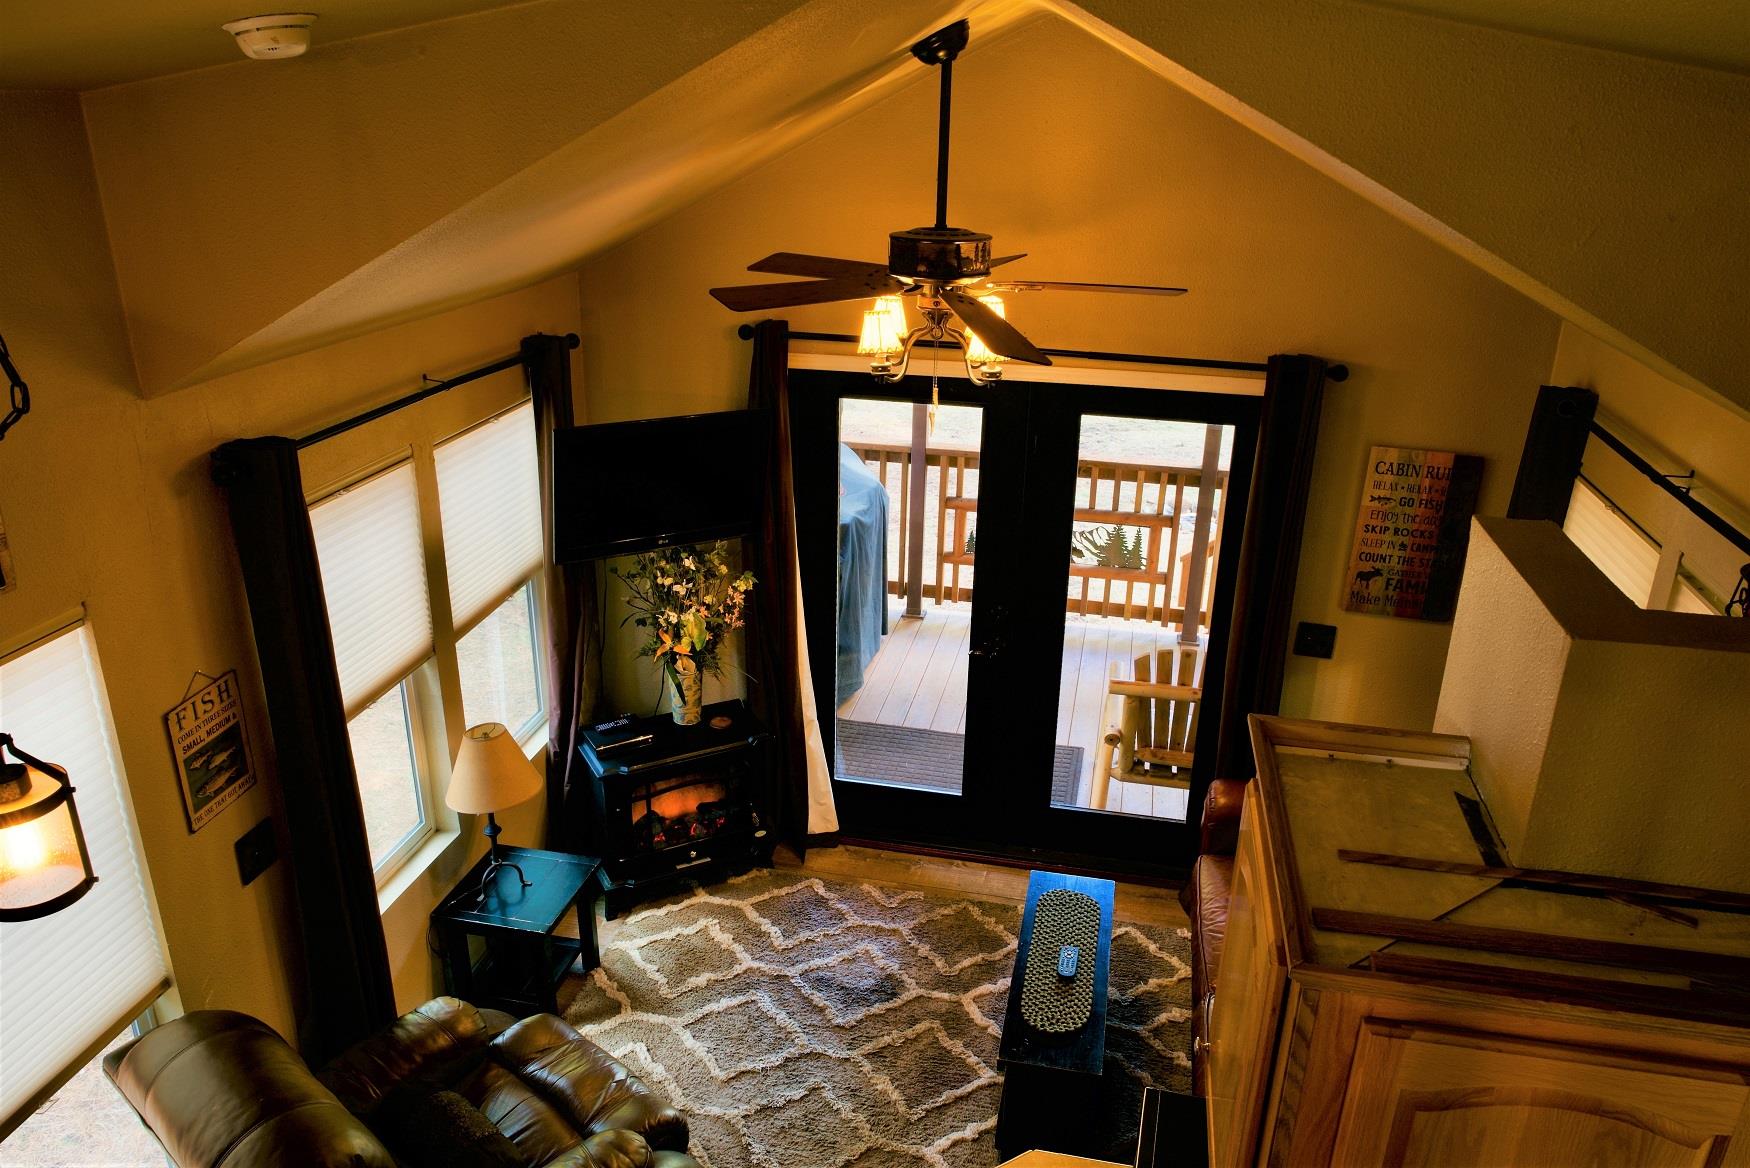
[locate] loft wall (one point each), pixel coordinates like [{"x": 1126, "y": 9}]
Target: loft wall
[
  {"x": 108, "y": 504},
  {"x": 1101, "y": 170}
]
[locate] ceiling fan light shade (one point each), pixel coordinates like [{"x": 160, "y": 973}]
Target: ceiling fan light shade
[
  {"x": 883, "y": 330},
  {"x": 978, "y": 354}
]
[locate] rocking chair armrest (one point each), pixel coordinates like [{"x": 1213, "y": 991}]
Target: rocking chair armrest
[{"x": 1148, "y": 690}]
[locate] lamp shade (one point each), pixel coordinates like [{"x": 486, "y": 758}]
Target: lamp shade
[
  {"x": 43, "y": 863},
  {"x": 491, "y": 772},
  {"x": 883, "y": 328}
]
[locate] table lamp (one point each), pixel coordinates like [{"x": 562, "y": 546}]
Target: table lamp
[{"x": 491, "y": 774}]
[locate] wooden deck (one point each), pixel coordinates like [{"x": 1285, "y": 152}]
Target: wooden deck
[{"x": 919, "y": 679}]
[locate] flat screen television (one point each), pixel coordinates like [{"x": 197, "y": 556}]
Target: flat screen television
[{"x": 625, "y": 487}]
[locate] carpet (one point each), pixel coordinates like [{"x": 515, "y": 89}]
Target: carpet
[
  {"x": 932, "y": 758},
  {"x": 803, "y": 1022}
]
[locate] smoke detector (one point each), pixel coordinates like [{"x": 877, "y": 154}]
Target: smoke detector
[{"x": 280, "y": 34}]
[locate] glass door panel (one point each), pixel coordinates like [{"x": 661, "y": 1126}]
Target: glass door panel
[
  {"x": 907, "y": 540},
  {"x": 1144, "y": 539}
]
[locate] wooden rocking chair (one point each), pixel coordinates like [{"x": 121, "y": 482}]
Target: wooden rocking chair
[{"x": 1152, "y": 723}]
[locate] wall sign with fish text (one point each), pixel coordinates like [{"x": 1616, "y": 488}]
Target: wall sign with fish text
[
  {"x": 1411, "y": 535},
  {"x": 212, "y": 754}
]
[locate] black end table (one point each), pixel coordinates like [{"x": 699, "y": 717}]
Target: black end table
[
  {"x": 1051, "y": 1082},
  {"x": 522, "y": 963}
]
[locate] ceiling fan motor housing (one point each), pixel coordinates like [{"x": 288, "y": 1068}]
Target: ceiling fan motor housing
[{"x": 939, "y": 255}]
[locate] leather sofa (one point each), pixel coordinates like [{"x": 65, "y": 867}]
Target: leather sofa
[
  {"x": 1205, "y": 898},
  {"x": 223, "y": 1090}
]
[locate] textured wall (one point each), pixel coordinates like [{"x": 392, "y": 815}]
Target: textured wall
[{"x": 1605, "y": 738}]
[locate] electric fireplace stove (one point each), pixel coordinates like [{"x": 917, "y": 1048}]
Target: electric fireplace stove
[{"x": 676, "y": 802}]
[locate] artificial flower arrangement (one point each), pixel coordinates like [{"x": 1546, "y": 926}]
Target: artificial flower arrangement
[{"x": 687, "y": 599}]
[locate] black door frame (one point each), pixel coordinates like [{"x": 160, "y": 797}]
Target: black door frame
[{"x": 1030, "y": 441}]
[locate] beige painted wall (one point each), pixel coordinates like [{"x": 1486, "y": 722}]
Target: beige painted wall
[
  {"x": 1102, "y": 171},
  {"x": 108, "y": 504},
  {"x": 385, "y": 177},
  {"x": 237, "y": 192}
]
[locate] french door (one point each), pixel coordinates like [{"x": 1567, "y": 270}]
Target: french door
[{"x": 1017, "y": 606}]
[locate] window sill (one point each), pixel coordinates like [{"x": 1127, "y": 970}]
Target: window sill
[{"x": 436, "y": 846}]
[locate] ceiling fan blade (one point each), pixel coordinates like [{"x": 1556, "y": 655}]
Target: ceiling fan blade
[
  {"x": 791, "y": 263},
  {"x": 1072, "y": 286},
  {"x": 998, "y": 334},
  {"x": 791, "y": 294},
  {"x": 1008, "y": 259}
]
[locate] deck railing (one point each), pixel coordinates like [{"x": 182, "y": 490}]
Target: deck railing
[{"x": 1143, "y": 573}]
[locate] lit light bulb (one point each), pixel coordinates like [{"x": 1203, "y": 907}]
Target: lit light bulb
[
  {"x": 979, "y": 354},
  {"x": 22, "y": 848}
]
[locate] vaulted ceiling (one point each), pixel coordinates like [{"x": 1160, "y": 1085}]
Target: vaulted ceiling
[{"x": 390, "y": 176}]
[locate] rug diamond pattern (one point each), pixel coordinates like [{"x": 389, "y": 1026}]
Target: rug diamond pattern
[{"x": 800, "y": 1022}]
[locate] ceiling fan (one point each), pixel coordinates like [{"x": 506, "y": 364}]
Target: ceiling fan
[{"x": 948, "y": 270}]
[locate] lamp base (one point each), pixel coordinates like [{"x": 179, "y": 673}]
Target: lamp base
[{"x": 496, "y": 863}]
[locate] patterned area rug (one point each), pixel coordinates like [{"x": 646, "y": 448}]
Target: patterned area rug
[{"x": 801, "y": 1022}]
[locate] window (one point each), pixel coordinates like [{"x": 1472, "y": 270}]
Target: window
[
  {"x": 1612, "y": 541},
  {"x": 490, "y": 498},
  {"x": 414, "y": 671},
  {"x": 379, "y": 614},
  {"x": 71, "y": 981},
  {"x": 501, "y": 674}
]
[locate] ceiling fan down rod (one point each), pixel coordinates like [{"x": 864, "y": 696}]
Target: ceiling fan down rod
[{"x": 942, "y": 143}]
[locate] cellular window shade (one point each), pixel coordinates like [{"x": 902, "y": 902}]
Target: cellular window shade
[
  {"x": 71, "y": 981},
  {"x": 373, "y": 579},
  {"x": 489, "y": 492},
  {"x": 1610, "y": 541}
]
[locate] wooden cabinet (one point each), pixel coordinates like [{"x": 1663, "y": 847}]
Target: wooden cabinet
[
  {"x": 1248, "y": 1008},
  {"x": 1492, "y": 1017}
]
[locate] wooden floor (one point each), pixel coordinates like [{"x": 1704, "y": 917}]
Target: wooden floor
[{"x": 919, "y": 679}]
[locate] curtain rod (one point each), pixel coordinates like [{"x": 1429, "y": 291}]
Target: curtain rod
[
  {"x": 1701, "y": 510},
  {"x": 1332, "y": 373},
  {"x": 414, "y": 398}
]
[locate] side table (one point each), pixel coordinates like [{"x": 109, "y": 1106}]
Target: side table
[
  {"x": 1052, "y": 1082},
  {"x": 521, "y": 963}
]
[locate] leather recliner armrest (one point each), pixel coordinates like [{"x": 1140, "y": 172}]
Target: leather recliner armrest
[
  {"x": 1221, "y": 817},
  {"x": 595, "y": 1089}
]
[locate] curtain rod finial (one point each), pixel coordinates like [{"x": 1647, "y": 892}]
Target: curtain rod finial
[{"x": 745, "y": 332}]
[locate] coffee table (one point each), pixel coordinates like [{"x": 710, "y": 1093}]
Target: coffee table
[{"x": 1051, "y": 1082}]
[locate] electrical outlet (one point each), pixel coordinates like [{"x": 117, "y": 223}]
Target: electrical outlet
[
  {"x": 1312, "y": 640},
  {"x": 257, "y": 849}
]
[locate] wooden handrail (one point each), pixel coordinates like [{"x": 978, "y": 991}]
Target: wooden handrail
[{"x": 1154, "y": 591}]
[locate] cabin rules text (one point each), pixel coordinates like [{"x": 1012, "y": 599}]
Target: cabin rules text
[{"x": 1411, "y": 533}]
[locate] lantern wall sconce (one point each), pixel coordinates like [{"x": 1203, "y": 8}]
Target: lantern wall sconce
[{"x": 44, "y": 866}]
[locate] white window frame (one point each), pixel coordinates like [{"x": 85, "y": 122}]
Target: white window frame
[{"x": 435, "y": 704}]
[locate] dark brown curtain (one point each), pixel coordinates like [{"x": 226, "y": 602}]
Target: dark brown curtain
[
  {"x": 574, "y": 646},
  {"x": 348, "y": 991},
  {"x": 775, "y": 689},
  {"x": 1555, "y": 445},
  {"x": 1257, "y": 648}
]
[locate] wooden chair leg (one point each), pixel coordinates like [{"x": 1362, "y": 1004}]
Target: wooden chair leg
[{"x": 1102, "y": 773}]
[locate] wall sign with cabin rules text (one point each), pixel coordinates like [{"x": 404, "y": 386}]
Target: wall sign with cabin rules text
[{"x": 1412, "y": 531}]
